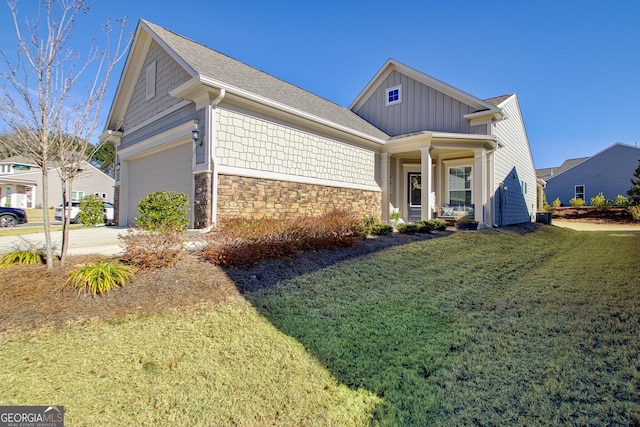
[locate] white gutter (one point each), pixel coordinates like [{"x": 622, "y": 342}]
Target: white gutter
[
  {"x": 183, "y": 90},
  {"x": 213, "y": 159}
]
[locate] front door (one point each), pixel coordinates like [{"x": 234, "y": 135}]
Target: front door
[{"x": 415, "y": 193}]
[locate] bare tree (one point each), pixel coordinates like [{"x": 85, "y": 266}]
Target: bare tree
[{"x": 51, "y": 91}]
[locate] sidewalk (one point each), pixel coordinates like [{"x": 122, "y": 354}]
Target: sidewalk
[
  {"x": 589, "y": 226},
  {"x": 89, "y": 240}
]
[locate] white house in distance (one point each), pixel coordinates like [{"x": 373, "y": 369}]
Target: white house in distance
[
  {"x": 21, "y": 183},
  {"x": 240, "y": 142}
]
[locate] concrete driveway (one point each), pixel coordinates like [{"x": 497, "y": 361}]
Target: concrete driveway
[{"x": 89, "y": 240}]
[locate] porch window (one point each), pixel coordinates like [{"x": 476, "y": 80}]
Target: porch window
[
  {"x": 579, "y": 192},
  {"x": 415, "y": 190},
  {"x": 460, "y": 185}
]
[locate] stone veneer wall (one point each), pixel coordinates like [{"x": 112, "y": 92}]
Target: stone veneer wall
[
  {"x": 202, "y": 200},
  {"x": 257, "y": 198}
]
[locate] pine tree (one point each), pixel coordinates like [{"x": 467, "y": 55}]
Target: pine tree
[{"x": 634, "y": 192}]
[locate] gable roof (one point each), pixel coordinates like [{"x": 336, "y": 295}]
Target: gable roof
[
  {"x": 21, "y": 160},
  {"x": 548, "y": 173},
  {"x": 219, "y": 70},
  {"x": 425, "y": 79},
  {"x": 499, "y": 99}
]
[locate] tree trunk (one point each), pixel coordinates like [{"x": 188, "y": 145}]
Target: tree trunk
[
  {"x": 66, "y": 201},
  {"x": 45, "y": 216}
]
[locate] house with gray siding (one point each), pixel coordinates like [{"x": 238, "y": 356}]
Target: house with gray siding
[
  {"x": 608, "y": 172},
  {"x": 240, "y": 142},
  {"x": 21, "y": 184}
]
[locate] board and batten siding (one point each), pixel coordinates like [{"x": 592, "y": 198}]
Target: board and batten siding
[
  {"x": 608, "y": 172},
  {"x": 255, "y": 144},
  {"x": 513, "y": 165},
  {"x": 169, "y": 75},
  {"x": 422, "y": 108}
]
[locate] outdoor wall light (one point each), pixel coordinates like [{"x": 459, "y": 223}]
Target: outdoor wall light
[{"x": 195, "y": 134}]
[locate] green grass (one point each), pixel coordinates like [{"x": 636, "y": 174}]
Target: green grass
[
  {"x": 484, "y": 328},
  {"x": 487, "y": 328}
]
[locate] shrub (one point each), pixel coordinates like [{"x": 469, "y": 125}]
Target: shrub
[
  {"x": 382, "y": 229},
  {"x": 600, "y": 202},
  {"x": 576, "y": 202},
  {"x": 91, "y": 211},
  {"x": 372, "y": 225},
  {"x": 621, "y": 201},
  {"x": 634, "y": 211},
  {"x": 408, "y": 228},
  {"x": 21, "y": 258},
  {"x": 556, "y": 203},
  {"x": 99, "y": 277},
  {"x": 148, "y": 250},
  {"x": 243, "y": 241},
  {"x": 439, "y": 224},
  {"x": 164, "y": 211},
  {"x": 425, "y": 227}
]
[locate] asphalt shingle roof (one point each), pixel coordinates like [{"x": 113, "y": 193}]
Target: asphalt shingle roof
[{"x": 215, "y": 65}]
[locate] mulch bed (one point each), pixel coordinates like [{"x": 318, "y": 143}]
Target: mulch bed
[{"x": 593, "y": 215}]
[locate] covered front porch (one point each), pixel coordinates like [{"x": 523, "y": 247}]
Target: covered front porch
[{"x": 425, "y": 171}]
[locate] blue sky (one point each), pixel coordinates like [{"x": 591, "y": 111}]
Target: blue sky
[{"x": 575, "y": 65}]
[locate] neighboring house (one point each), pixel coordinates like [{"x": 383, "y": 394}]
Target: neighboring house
[
  {"x": 240, "y": 142},
  {"x": 21, "y": 183},
  {"x": 608, "y": 172}
]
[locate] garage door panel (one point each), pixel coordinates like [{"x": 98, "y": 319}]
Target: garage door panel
[{"x": 168, "y": 170}]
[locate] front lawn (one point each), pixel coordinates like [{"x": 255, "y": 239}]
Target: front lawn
[{"x": 487, "y": 328}]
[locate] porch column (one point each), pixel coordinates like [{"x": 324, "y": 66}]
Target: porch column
[
  {"x": 384, "y": 185},
  {"x": 425, "y": 189},
  {"x": 480, "y": 184}
]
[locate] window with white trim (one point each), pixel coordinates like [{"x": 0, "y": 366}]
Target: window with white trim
[
  {"x": 151, "y": 80},
  {"x": 460, "y": 185},
  {"x": 393, "y": 95},
  {"x": 77, "y": 195},
  {"x": 579, "y": 193}
]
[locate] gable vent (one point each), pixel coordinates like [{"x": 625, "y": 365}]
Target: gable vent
[{"x": 151, "y": 80}]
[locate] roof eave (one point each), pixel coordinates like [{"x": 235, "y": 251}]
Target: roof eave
[{"x": 197, "y": 86}]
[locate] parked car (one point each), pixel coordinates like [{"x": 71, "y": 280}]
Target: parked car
[
  {"x": 74, "y": 213},
  {"x": 9, "y": 217}
]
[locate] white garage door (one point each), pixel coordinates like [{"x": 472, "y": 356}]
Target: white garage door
[{"x": 168, "y": 170}]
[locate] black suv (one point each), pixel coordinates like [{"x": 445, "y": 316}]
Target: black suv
[{"x": 12, "y": 216}]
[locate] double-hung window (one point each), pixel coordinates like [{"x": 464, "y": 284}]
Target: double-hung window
[{"x": 460, "y": 185}]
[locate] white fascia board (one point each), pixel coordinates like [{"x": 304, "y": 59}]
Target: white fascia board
[
  {"x": 129, "y": 77},
  {"x": 419, "y": 76},
  {"x": 193, "y": 89},
  {"x": 170, "y": 138}
]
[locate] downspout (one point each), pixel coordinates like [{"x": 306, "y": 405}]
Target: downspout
[{"x": 213, "y": 160}]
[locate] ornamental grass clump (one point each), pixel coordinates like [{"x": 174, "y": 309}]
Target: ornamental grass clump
[
  {"x": 27, "y": 257},
  {"x": 99, "y": 277}
]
